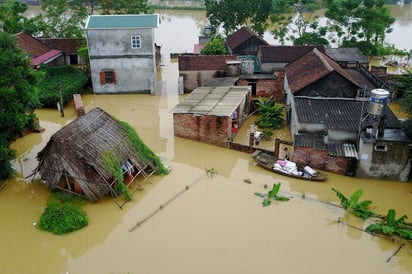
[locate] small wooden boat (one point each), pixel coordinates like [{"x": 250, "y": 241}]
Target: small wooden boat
[{"x": 287, "y": 168}]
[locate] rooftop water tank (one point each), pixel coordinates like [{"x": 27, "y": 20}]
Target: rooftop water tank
[{"x": 378, "y": 101}]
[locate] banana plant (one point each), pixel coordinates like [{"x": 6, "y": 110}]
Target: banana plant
[
  {"x": 390, "y": 225},
  {"x": 272, "y": 195},
  {"x": 354, "y": 206}
]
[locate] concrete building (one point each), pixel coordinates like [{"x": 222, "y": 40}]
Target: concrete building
[
  {"x": 122, "y": 53},
  {"x": 212, "y": 114}
]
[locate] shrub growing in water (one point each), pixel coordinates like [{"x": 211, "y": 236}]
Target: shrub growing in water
[{"x": 63, "y": 214}]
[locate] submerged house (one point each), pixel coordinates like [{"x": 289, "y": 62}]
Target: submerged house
[
  {"x": 122, "y": 53},
  {"x": 74, "y": 158},
  {"x": 212, "y": 114}
]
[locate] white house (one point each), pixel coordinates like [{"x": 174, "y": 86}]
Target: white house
[{"x": 122, "y": 53}]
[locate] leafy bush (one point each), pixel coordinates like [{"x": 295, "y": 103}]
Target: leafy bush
[
  {"x": 69, "y": 79},
  {"x": 63, "y": 214},
  {"x": 216, "y": 46}
]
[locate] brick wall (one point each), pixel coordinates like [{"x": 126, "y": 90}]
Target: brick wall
[
  {"x": 268, "y": 87},
  {"x": 320, "y": 159},
  {"x": 214, "y": 130}
]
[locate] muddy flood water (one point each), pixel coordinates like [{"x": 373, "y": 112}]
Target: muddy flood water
[{"x": 217, "y": 225}]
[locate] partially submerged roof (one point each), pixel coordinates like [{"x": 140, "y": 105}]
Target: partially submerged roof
[
  {"x": 78, "y": 150},
  {"x": 346, "y": 55},
  {"x": 122, "y": 21},
  {"x": 218, "y": 101},
  {"x": 311, "y": 67},
  {"x": 337, "y": 114}
]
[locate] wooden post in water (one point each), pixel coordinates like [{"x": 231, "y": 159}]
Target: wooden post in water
[{"x": 59, "y": 88}]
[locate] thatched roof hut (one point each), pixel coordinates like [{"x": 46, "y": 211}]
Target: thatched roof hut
[{"x": 73, "y": 159}]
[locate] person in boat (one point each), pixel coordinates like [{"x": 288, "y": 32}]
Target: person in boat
[{"x": 286, "y": 153}]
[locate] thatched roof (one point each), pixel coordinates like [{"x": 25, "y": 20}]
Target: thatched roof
[{"x": 76, "y": 152}]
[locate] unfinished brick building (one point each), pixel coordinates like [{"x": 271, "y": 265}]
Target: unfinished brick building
[{"x": 212, "y": 114}]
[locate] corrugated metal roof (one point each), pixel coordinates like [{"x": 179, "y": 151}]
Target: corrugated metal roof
[
  {"x": 218, "y": 101},
  {"x": 47, "y": 57},
  {"x": 122, "y": 21},
  {"x": 341, "y": 149},
  {"x": 337, "y": 114}
]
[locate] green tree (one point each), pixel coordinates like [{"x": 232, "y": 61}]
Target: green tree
[
  {"x": 216, "y": 46},
  {"x": 359, "y": 23},
  {"x": 231, "y": 14},
  {"x": 18, "y": 98},
  {"x": 125, "y": 7},
  {"x": 61, "y": 18},
  {"x": 12, "y": 19},
  {"x": 296, "y": 20}
]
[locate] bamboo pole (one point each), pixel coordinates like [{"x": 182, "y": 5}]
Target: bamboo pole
[{"x": 209, "y": 173}]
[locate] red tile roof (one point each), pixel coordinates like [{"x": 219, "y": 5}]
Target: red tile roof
[
  {"x": 31, "y": 45},
  {"x": 311, "y": 67}
]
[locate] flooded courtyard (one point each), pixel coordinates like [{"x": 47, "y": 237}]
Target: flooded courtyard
[
  {"x": 217, "y": 225},
  {"x": 195, "y": 223}
]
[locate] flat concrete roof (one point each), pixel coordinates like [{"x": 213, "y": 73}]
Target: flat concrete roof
[{"x": 216, "y": 101}]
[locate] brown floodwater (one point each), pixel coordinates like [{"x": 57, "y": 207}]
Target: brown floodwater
[{"x": 217, "y": 225}]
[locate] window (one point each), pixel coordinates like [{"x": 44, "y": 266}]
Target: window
[
  {"x": 107, "y": 77},
  {"x": 381, "y": 148},
  {"x": 135, "y": 42}
]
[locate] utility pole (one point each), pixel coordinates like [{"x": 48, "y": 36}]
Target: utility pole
[{"x": 59, "y": 88}]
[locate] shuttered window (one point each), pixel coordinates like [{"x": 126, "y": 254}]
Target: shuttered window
[{"x": 107, "y": 77}]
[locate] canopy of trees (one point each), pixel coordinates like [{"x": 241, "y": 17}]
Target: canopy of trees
[
  {"x": 230, "y": 14},
  {"x": 351, "y": 23},
  {"x": 18, "y": 99}
]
